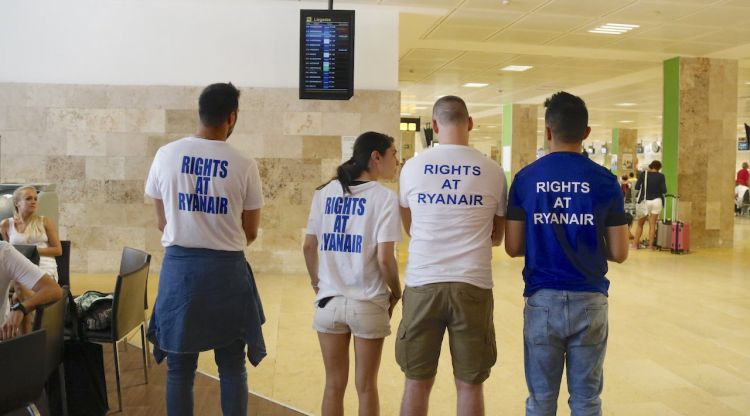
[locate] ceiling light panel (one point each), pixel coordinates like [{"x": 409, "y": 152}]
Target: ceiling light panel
[
  {"x": 517, "y": 68},
  {"x": 614, "y": 28},
  {"x": 475, "y": 85}
]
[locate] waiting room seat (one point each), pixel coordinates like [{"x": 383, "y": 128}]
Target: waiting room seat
[
  {"x": 128, "y": 312},
  {"x": 51, "y": 319},
  {"x": 63, "y": 264},
  {"x": 29, "y": 251},
  {"x": 22, "y": 371}
]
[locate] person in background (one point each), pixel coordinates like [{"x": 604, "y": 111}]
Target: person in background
[
  {"x": 743, "y": 175},
  {"x": 624, "y": 186},
  {"x": 740, "y": 197},
  {"x": 14, "y": 267},
  {"x": 26, "y": 227},
  {"x": 656, "y": 188},
  {"x": 355, "y": 278},
  {"x": 207, "y": 198},
  {"x": 566, "y": 216}
]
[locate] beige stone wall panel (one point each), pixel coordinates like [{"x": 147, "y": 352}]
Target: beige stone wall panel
[
  {"x": 321, "y": 147},
  {"x": 22, "y": 168},
  {"x": 301, "y": 124},
  {"x": 29, "y": 119},
  {"x": 21, "y": 142},
  {"x": 341, "y": 124},
  {"x": 105, "y": 168},
  {"x": 59, "y": 168}
]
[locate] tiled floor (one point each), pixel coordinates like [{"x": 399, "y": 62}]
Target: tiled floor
[{"x": 679, "y": 339}]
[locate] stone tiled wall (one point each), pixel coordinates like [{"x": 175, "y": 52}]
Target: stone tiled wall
[
  {"x": 97, "y": 142},
  {"x": 707, "y": 149},
  {"x": 524, "y": 137}
]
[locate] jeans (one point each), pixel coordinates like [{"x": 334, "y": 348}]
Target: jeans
[
  {"x": 232, "y": 375},
  {"x": 564, "y": 328}
]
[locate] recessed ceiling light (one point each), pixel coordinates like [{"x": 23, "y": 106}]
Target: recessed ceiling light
[
  {"x": 405, "y": 114},
  {"x": 626, "y": 121},
  {"x": 614, "y": 28},
  {"x": 420, "y": 107},
  {"x": 491, "y": 127},
  {"x": 626, "y": 104},
  {"x": 594, "y": 125},
  {"x": 475, "y": 84},
  {"x": 517, "y": 68},
  {"x": 747, "y": 83}
]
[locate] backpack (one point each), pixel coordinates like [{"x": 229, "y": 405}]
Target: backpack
[{"x": 95, "y": 310}]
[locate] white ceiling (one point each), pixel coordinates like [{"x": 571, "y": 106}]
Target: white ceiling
[{"x": 446, "y": 43}]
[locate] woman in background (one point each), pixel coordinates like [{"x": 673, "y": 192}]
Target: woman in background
[
  {"x": 26, "y": 227},
  {"x": 349, "y": 252},
  {"x": 655, "y": 188}
]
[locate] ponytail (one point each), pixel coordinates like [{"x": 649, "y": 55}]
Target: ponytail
[{"x": 350, "y": 170}]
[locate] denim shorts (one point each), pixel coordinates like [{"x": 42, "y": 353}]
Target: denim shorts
[{"x": 363, "y": 318}]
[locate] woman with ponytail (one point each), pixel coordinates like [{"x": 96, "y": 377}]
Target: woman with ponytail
[{"x": 349, "y": 252}]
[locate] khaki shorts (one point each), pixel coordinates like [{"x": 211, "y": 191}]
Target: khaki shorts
[
  {"x": 364, "y": 319},
  {"x": 466, "y": 312}
]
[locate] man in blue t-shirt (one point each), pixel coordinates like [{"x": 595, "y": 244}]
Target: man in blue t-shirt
[{"x": 566, "y": 216}]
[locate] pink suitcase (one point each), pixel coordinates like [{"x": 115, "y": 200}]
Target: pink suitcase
[{"x": 680, "y": 239}]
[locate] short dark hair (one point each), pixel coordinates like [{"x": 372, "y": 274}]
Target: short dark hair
[
  {"x": 566, "y": 116},
  {"x": 655, "y": 165},
  {"x": 217, "y": 102},
  {"x": 450, "y": 110}
]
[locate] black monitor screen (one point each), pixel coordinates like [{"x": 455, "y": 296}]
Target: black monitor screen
[{"x": 326, "y": 57}]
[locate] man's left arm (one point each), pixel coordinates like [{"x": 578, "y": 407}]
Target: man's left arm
[
  {"x": 498, "y": 230},
  {"x": 250, "y": 224},
  {"x": 161, "y": 218}
]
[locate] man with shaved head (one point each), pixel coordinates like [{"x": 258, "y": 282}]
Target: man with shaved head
[{"x": 453, "y": 206}]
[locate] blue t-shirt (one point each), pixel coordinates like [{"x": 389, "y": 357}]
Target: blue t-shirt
[{"x": 567, "y": 201}]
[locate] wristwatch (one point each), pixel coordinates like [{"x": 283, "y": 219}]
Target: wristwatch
[{"x": 19, "y": 307}]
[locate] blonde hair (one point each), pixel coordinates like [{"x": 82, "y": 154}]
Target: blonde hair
[{"x": 35, "y": 224}]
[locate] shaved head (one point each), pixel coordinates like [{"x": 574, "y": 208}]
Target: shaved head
[{"x": 450, "y": 111}]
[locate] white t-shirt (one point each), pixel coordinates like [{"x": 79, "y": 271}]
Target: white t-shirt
[
  {"x": 204, "y": 185},
  {"x": 14, "y": 266},
  {"x": 454, "y": 192},
  {"x": 349, "y": 228},
  {"x": 739, "y": 192}
]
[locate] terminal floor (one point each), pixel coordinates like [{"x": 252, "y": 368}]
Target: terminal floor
[{"x": 679, "y": 340}]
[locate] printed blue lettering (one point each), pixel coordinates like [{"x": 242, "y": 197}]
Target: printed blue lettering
[{"x": 185, "y": 164}]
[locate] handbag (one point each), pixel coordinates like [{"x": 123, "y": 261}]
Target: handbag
[
  {"x": 85, "y": 384},
  {"x": 641, "y": 209}
]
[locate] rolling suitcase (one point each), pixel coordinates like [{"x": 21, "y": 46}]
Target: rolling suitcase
[
  {"x": 664, "y": 230},
  {"x": 679, "y": 241}
]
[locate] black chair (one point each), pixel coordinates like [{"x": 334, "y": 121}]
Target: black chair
[
  {"x": 63, "y": 264},
  {"x": 127, "y": 309},
  {"x": 51, "y": 319},
  {"x": 22, "y": 371},
  {"x": 29, "y": 251}
]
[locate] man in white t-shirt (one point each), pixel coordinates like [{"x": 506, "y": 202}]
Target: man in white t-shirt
[
  {"x": 453, "y": 201},
  {"x": 208, "y": 198},
  {"x": 14, "y": 266}
]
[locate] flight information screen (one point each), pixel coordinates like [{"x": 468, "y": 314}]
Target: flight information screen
[{"x": 326, "y": 54}]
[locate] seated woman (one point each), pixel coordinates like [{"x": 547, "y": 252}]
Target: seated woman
[{"x": 26, "y": 227}]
